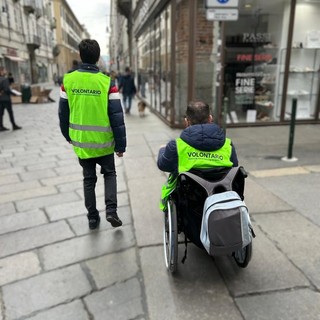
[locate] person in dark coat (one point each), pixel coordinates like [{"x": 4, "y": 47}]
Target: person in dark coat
[
  {"x": 200, "y": 133},
  {"x": 91, "y": 139},
  {"x": 128, "y": 89},
  {"x": 5, "y": 100}
]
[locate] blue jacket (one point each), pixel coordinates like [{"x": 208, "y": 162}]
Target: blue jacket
[
  {"x": 204, "y": 137},
  {"x": 115, "y": 112}
]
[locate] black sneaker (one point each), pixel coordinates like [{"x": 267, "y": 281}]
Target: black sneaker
[
  {"x": 94, "y": 222},
  {"x": 3, "y": 129},
  {"x": 114, "y": 219},
  {"x": 15, "y": 127}
]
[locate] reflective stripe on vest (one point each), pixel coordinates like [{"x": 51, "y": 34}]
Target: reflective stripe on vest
[
  {"x": 189, "y": 157},
  {"x": 89, "y": 129}
]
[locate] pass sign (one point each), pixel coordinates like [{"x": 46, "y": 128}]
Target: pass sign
[
  {"x": 222, "y": 3},
  {"x": 227, "y": 14}
]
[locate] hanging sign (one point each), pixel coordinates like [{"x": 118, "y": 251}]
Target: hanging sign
[
  {"x": 222, "y": 14},
  {"x": 222, "y": 3}
]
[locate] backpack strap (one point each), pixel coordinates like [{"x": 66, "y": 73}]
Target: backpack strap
[{"x": 209, "y": 186}]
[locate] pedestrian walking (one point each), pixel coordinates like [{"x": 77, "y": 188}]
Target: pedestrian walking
[
  {"x": 127, "y": 88},
  {"x": 91, "y": 119},
  {"x": 5, "y": 100}
]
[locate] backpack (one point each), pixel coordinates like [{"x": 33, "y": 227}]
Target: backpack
[{"x": 226, "y": 225}]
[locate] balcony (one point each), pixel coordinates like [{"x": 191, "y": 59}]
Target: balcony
[
  {"x": 29, "y": 6},
  {"x": 33, "y": 42},
  {"x": 38, "y": 13},
  {"x": 53, "y": 23},
  {"x": 125, "y": 7}
]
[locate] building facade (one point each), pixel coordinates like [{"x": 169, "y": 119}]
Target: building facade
[
  {"x": 38, "y": 39},
  {"x": 251, "y": 70}
]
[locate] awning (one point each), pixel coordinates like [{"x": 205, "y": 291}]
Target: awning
[{"x": 13, "y": 58}]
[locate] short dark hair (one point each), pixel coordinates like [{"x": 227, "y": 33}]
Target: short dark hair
[
  {"x": 89, "y": 51},
  {"x": 198, "y": 112},
  {"x": 127, "y": 69}
]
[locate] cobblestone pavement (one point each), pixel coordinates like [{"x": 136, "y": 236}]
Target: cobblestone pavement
[{"x": 53, "y": 267}]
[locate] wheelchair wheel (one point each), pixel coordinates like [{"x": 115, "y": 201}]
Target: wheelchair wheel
[
  {"x": 243, "y": 256},
  {"x": 170, "y": 237}
]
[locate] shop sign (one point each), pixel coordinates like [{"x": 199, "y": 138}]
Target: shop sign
[
  {"x": 222, "y": 14},
  {"x": 256, "y": 37},
  {"x": 222, "y": 3},
  {"x": 244, "y": 88}
]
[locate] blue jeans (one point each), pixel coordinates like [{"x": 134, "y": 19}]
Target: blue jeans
[
  {"x": 127, "y": 100},
  {"x": 108, "y": 170}
]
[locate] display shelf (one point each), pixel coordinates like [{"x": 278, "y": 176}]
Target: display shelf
[{"x": 303, "y": 80}]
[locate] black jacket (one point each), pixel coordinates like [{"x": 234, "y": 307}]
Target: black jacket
[
  {"x": 126, "y": 85},
  {"x": 115, "y": 112},
  {"x": 5, "y": 92},
  {"x": 204, "y": 137}
]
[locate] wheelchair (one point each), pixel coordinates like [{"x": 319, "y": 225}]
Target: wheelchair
[{"x": 185, "y": 209}]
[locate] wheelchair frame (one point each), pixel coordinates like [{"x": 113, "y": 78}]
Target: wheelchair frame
[{"x": 172, "y": 226}]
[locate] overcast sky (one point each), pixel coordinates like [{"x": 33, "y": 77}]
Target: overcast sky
[{"x": 94, "y": 15}]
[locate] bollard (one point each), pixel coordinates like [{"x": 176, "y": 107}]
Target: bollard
[
  {"x": 291, "y": 134},
  {"x": 225, "y": 111}
]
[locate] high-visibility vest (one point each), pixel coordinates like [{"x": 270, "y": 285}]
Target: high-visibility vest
[
  {"x": 192, "y": 158},
  {"x": 89, "y": 125}
]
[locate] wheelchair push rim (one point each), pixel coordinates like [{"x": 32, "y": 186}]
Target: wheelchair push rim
[{"x": 170, "y": 237}]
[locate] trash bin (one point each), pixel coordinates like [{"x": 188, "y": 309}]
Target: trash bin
[{"x": 25, "y": 93}]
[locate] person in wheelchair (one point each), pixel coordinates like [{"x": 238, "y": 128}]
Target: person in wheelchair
[{"x": 201, "y": 145}]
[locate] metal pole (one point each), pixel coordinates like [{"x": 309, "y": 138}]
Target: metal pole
[
  {"x": 292, "y": 126},
  {"x": 291, "y": 135}
]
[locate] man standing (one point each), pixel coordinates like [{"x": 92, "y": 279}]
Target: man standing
[
  {"x": 91, "y": 119},
  {"x": 5, "y": 100},
  {"x": 127, "y": 88}
]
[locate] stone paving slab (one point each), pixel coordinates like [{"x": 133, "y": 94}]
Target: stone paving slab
[
  {"x": 122, "y": 301},
  {"x": 269, "y": 270},
  {"x": 302, "y": 192},
  {"x": 259, "y": 199},
  {"x": 19, "y": 221},
  {"x": 145, "y": 198},
  {"x": 44, "y": 291},
  {"x": 18, "y": 267},
  {"x": 10, "y": 171},
  {"x": 295, "y": 304},
  {"x": 6, "y": 208},
  {"x": 27, "y": 194},
  {"x": 9, "y": 179},
  {"x": 120, "y": 267},
  {"x": 23, "y": 240},
  {"x": 89, "y": 246},
  {"x": 19, "y": 186},
  {"x": 61, "y": 179},
  {"x": 297, "y": 238},
  {"x": 196, "y": 292},
  {"x": 41, "y": 202},
  {"x": 36, "y": 175},
  {"x": 74, "y": 310},
  {"x": 144, "y": 168}
]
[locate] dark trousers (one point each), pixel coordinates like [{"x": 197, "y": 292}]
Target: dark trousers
[
  {"x": 127, "y": 101},
  {"x": 108, "y": 170},
  {"x": 6, "y": 105}
]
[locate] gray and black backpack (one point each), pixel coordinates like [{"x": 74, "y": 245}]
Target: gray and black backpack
[{"x": 226, "y": 225}]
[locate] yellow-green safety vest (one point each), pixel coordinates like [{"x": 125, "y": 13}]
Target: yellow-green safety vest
[
  {"x": 89, "y": 125},
  {"x": 192, "y": 158}
]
